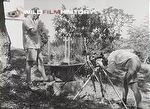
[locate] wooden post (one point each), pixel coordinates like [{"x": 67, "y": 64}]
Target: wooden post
[
  {"x": 68, "y": 50},
  {"x": 48, "y": 47},
  {"x": 65, "y": 60}
]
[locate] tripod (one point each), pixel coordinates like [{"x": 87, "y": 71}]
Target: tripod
[{"x": 95, "y": 73}]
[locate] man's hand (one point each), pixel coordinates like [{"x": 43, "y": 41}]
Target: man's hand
[{"x": 33, "y": 31}]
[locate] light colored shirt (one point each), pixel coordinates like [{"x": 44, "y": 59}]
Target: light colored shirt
[
  {"x": 117, "y": 60},
  {"x": 31, "y": 40}
]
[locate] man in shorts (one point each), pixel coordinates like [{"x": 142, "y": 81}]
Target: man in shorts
[
  {"x": 32, "y": 45},
  {"x": 129, "y": 64}
]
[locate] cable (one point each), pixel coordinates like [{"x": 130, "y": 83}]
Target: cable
[
  {"x": 60, "y": 88},
  {"x": 67, "y": 81},
  {"x": 82, "y": 87},
  {"x": 108, "y": 99}
]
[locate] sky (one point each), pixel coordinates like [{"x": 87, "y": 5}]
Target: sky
[{"x": 138, "y": 8}]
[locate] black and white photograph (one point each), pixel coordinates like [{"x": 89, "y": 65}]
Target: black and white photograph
[{"x": 74, "y": 54}]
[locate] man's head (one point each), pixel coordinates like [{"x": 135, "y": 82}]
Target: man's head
[
  {"x": 102, "y": 60},
  {"x": 35, "y": 15}
]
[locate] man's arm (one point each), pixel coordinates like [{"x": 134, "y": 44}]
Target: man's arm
[{"x": 29, "y": 27}]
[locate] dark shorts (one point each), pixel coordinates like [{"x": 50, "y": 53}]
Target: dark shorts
[
  {"x": 129, "y": 68},
  {"x": 33, "y": 55}
]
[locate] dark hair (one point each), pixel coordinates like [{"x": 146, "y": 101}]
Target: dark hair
[
  {"x": 35, "y": 9},
  {"x": 105, "y": 61},
  {"x": 84, "y": 53},
  {"x": 101, "y": 56}
]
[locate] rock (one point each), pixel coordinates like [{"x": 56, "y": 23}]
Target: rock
[
  {"x": 9, "y": 105},
  {"x": 69, "y": 88}
]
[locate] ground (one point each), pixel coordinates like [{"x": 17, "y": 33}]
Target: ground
[{"x": 15, "y": 94}]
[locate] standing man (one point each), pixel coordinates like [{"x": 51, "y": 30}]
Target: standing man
[{"x": 32, "y": 45}]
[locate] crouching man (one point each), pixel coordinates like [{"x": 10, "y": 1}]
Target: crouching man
[{"x": 128, "y": 62}]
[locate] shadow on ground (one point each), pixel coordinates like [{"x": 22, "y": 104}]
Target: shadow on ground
[{"x": 15, "y": 94}]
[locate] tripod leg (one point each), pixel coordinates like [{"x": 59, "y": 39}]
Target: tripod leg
[
  {"x": 98, "y": 77},
  {"x": 93, "y": 82},
  {"x": 82, "y": 87}
]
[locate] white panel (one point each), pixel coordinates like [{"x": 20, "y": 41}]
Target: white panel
[{"x": 14, "y": 24}]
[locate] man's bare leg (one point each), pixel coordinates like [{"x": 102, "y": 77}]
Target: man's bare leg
[
  {"x": 41, "y": 68},
  {"x": 137, "y": 95},
  {"x": 28, "y": 71},
  {"x": 126, "y": 89},
  {"x": 128, "y": 76}
]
